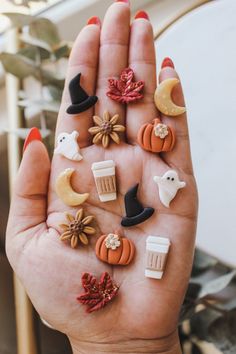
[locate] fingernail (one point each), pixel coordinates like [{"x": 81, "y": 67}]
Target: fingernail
[
  {"x": 167, "y": 62},
  {"x": 94, "y": 21},
  {"x": 142, "y": 14},
  {"x": 34, "y": 134},
  {"x": 126, "y": 1}
]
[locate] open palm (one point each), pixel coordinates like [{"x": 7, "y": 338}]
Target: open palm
[{"x": 50, "y": 270}]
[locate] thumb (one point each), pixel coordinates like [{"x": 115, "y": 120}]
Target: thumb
[{"x": 28, "y": 209}]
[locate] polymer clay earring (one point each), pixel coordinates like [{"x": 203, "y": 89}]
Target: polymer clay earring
[
  {"x": 125, "y": 90},
  {"x": 105, "y": 179},
  {"x": 156, "y": 136},
  {"x": 68, "y": 147},
  {"x": 113, "y": 249},
  {"x": 168, "y": 186},
  {"x": 81, "y": 101},
  {"x": 163, "y": 100},
  {"x": 65, "y": 191},
  {"x": 77, "y": 228},
  {"x": 106, "y": 129},
  {"x": 135, "y": 212},
  {"x": 97, "y": 294},
  {"x": 157, "y": 249}
]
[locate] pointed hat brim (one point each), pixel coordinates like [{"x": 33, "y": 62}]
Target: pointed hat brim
[
  {"x": 137, "y": 219},
  {"x": 83, "y": 106}
]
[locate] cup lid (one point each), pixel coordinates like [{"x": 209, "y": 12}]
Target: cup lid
[
  {"x": 103, "y": 164},
  {"x": 158, "y": 240}
]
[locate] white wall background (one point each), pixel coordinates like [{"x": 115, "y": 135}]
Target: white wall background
[{"x": 203, "y": 47}]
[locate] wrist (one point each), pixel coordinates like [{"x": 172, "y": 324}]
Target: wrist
[{"x": 167, "y": 345}]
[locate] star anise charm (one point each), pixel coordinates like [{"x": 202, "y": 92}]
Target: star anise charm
[
  {"x": 77, "y": 228},
  {"x": 125, "y": 90},
  {"x": 97, "y": 294},
  {"x": 106, "y": 129}
]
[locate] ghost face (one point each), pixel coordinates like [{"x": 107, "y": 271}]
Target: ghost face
[
  {"x": 61, "y": 138},
  {"x": 172, "y": 180},
  {"x": 171, "y": 177}
]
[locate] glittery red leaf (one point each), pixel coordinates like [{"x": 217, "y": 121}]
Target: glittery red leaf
[
  {"x": 97, "y": 294},
  {"x": 89, "y": 282},
  {"x": 125, "y": 90}
]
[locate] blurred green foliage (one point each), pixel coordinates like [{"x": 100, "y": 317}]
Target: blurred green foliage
[
  {"x": 40, "y": 53},
  {"x": 209, "y": 315}
]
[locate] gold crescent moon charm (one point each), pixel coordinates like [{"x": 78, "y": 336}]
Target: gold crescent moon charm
[
  {"x": 65, "y": 191},
  {"x": 163, "y": 100}
]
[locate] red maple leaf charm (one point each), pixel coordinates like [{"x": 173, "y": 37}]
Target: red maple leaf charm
[
  {"x": 97, "y": 294},
  {"x": 125, "y": 90}
]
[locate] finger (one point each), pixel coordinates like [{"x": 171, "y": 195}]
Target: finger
[
  {"x": 113, "y": 56},
  {"x": 28, "y": 209},
  {"x": 180, "y": 156},
  {"x": 142, "y": 60},
  {"x": 84, "y": 60}
]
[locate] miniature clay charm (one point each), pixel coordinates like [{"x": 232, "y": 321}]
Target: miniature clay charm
[
  {"x": 113, "y": 249},
  {"x": 65, "y": 191},
  {"x": 106, "y": 129},
  {"x": 125, "y": 90},
  {"x": 97, "y": 294},
  {"x": 156, "y": 136},
  {"x": 105, "y": 179},
  {"x": 81, "y": 101},
  {"x": 67, "y": 146},
  {"x": 77, "y": 228},
  {"x": 157, "y": 249},
  {"x": 168, "y": 185},
  {"x": 163, "y": 100},
  {"x": 135, "y": 212}
]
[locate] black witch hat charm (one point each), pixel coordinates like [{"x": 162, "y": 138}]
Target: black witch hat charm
[
  {"x": 81, "y": 101},
  {"x": 135, "y": 212}
]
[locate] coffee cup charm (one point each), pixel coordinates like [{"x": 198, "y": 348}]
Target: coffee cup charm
[
  {"x": 105, "y": 180},
  {"x": 157, "y": 249}
]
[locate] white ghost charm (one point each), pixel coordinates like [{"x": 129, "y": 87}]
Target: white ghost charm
[
  {"x": 168, "y": 185},
  {"x": 67, "y": 146}
]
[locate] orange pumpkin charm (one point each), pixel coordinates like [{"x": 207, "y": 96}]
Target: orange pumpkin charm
[
  {"x": 114, "y": 249},
  {"x": 156, "y": 136}
]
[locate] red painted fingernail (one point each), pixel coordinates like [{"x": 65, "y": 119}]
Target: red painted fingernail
[
  {"x": 142, "y": 14},
  {"x": 94, "y": 21},
  {"x": 167, "y": 62},
  {"x": 34, "y": 134},
  {"x": 126, "y": 1}
]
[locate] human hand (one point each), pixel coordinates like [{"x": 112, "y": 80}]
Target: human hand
[{"x": 143, "y": 317}]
